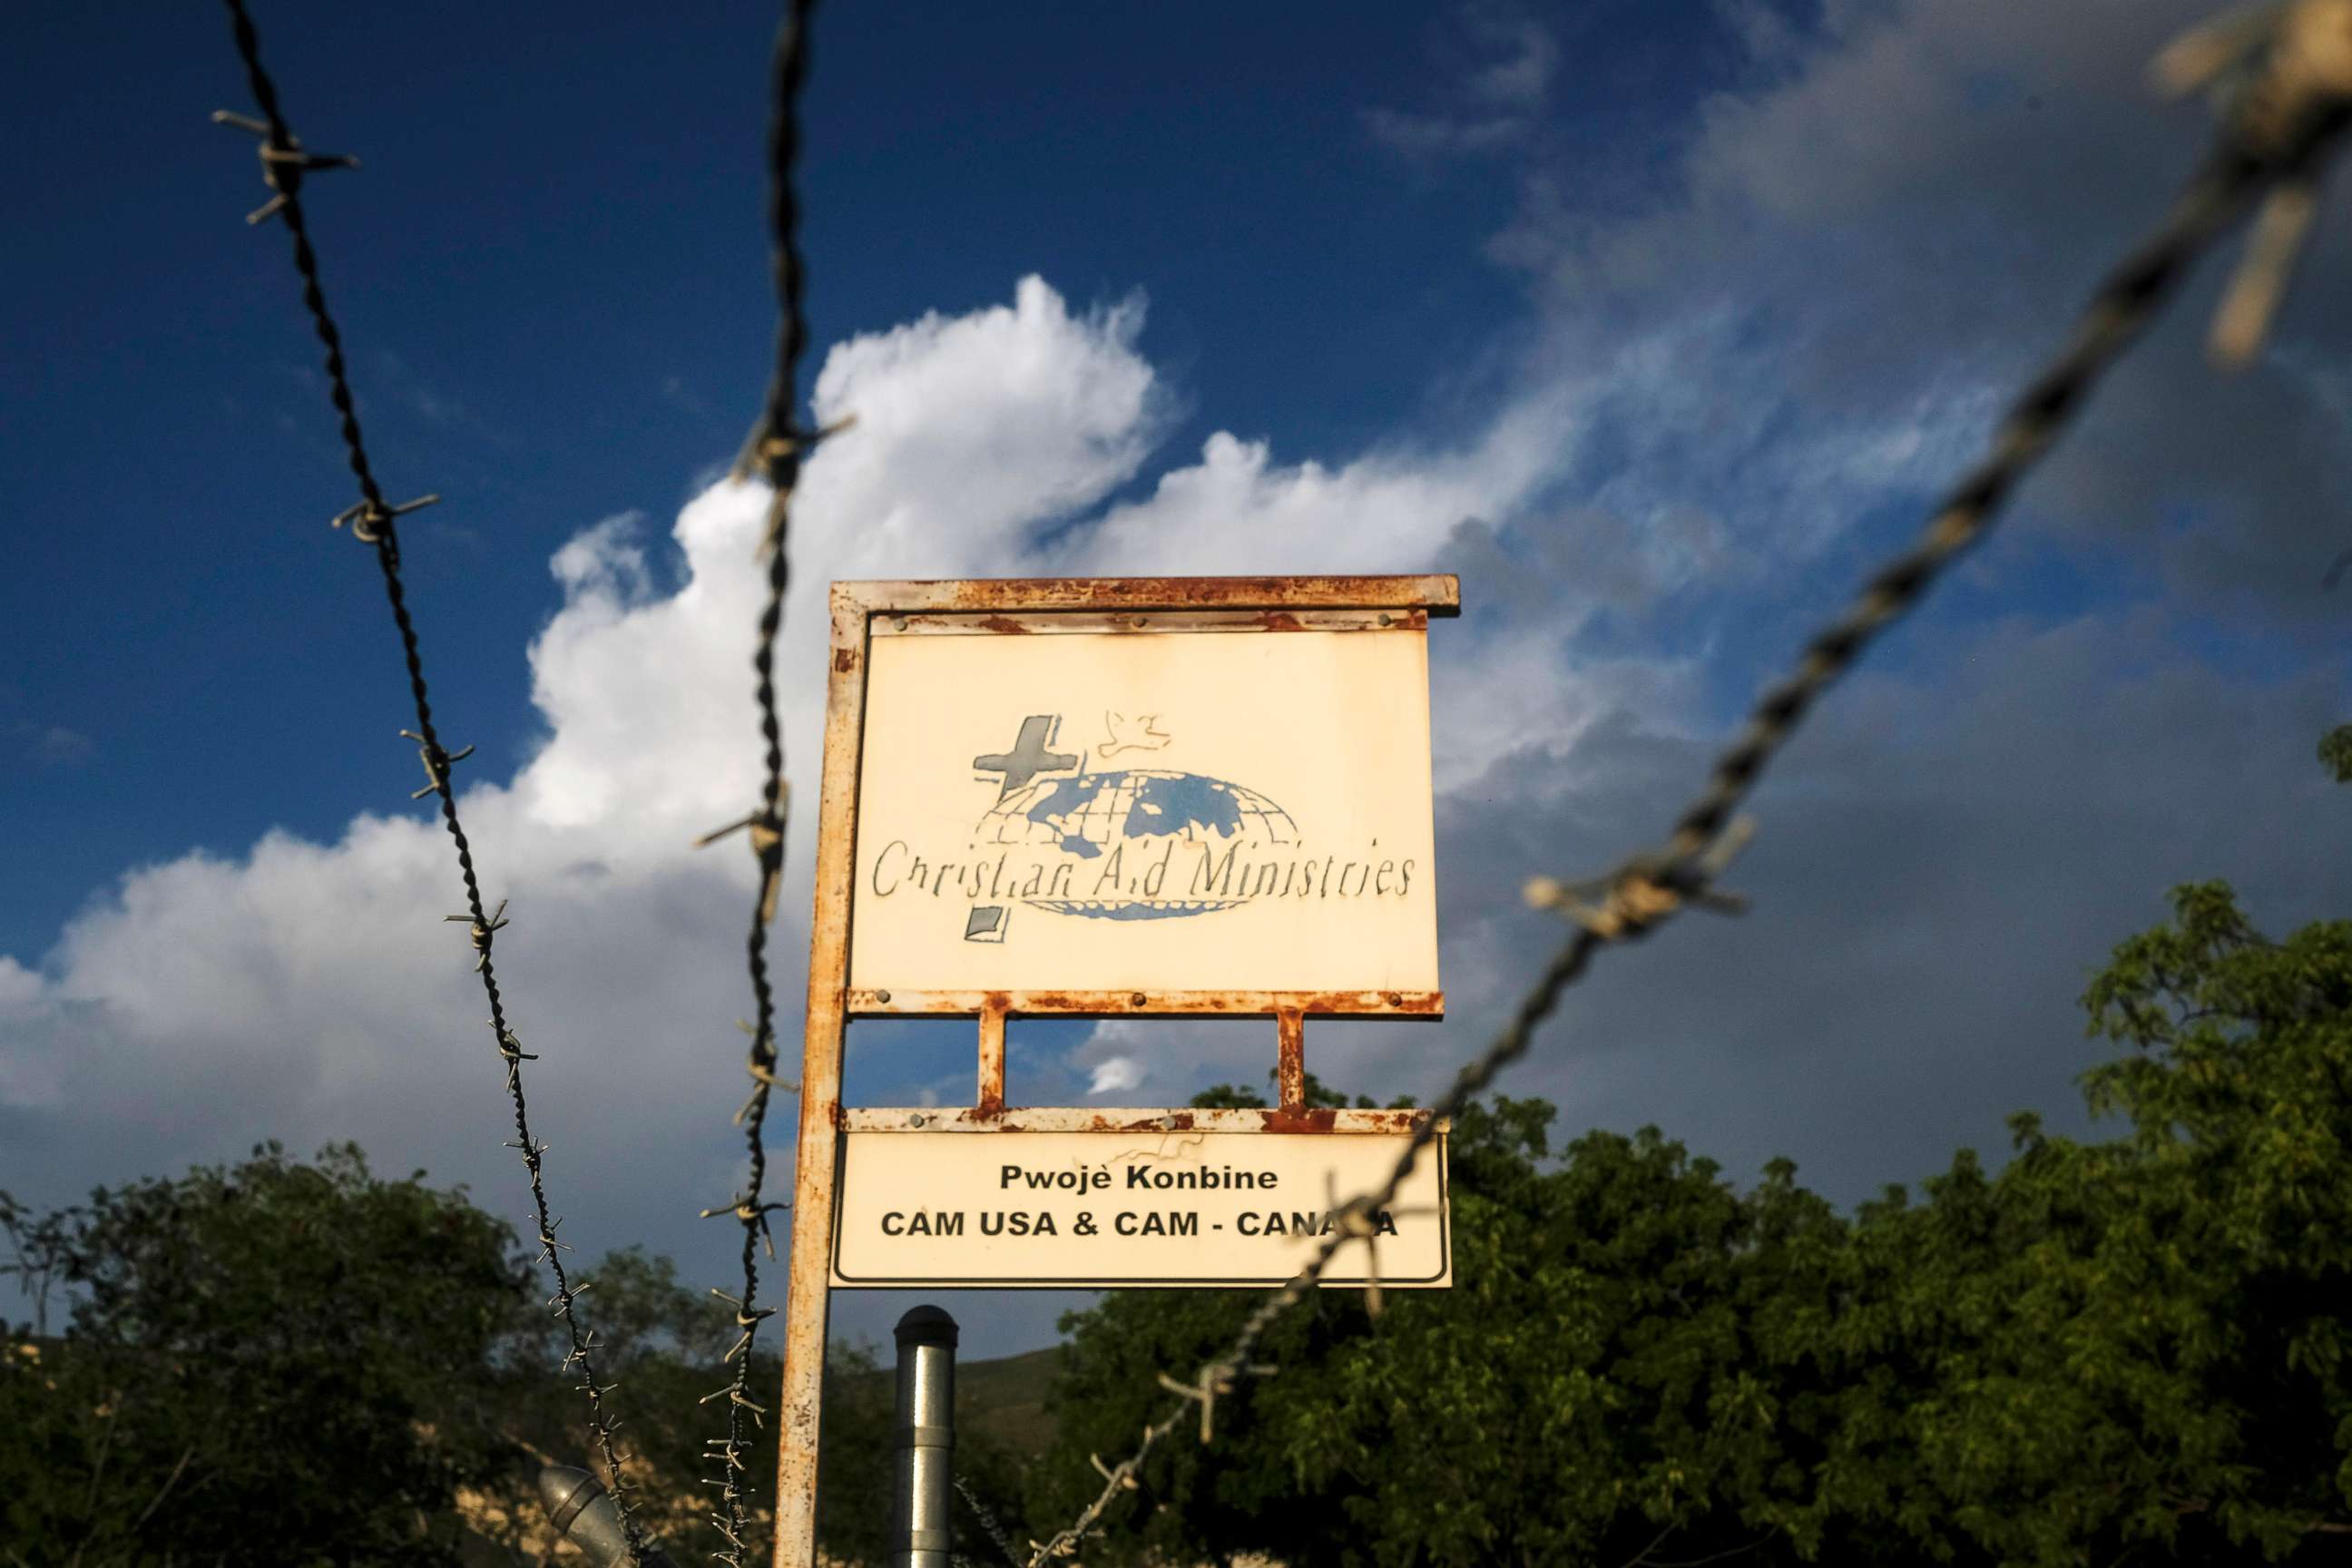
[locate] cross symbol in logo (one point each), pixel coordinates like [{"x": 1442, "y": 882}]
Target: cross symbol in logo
[{"x": 1028, "y": 757}]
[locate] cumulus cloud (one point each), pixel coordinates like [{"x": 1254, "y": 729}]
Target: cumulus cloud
[
  {"x": 1115, "y": 1075},
  {"x": 1387, "y": 510},
  {"x": 1878, "y": 231},
  {"x": 311, "y": 989},
  {"x": 1721, "y": 402}
]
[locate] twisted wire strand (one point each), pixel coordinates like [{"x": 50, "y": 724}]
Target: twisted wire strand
[
  {"x": 987, "y": 1516},
  {"x": 2252, "y": 155},
  {"x": 774, "y": 452},
  {"x": 374, "y": 521}
]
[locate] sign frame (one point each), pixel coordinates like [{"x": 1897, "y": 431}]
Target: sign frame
[
  {"x": 1384, "y": 1132},
  {"x": 860, "y": 611}
]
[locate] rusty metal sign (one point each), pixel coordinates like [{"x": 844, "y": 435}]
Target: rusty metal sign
[
  {"x": 1194, "y": 808},
  {"x": 1127, "y": 1198},
  {"x": 1094, "y": 797}
]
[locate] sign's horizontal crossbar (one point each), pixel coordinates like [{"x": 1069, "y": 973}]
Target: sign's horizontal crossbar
[
  {"x": 1133, "y": 622},
  {"x": 1113, "y": 1119},
  {"x": 1440, "y": 593},
  {"x": 882, "y": 1002},
  {"x": 1335, "y": 1279}
]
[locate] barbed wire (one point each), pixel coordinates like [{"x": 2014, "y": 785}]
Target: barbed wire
[
  {"x": 2285, "y": 76},
  {"x": 773, "y": 451},
  {"x": 987, "y": 1516},
  {"x": 374, "y": 521}
]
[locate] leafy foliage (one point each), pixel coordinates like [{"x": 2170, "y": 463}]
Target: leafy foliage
[
  {"x": 291, "y": 1363},
  {"x": 2131, "y": 1350},
  {"x": 2335, "y": 752},
  {"x": 267, "y": 1363},
  {"x": 2135, "y": 1348}
]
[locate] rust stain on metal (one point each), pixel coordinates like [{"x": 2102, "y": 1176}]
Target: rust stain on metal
[
  {"x": 1186, "y": 618},
  {"x": 1404, "y": 1121},
  {"x": 1290, "y": 1058},
  {"x": 1018, "y": 607},
  {"x": 808, "y": 1294},
  {"x": 990, "y": 1102},
  {"x": 1106, "y": 1003},
  {"x": 1326, "y": 1120},
  {"x": 1439, "y": 592}
]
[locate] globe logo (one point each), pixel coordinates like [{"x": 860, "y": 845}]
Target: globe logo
[{"x": 1125, "y": 817}]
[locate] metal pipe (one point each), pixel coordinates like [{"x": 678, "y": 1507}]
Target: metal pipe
[
  {"x": 582, "y": 1511},
  {"x": 919, "y": 1527}
]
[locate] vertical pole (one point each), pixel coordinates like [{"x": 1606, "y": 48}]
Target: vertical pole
[
  {"x": 991, "y": 1054},
  {"x": 808, "y": 1299},
  {"x": 920, "y": 1536},
  {"x": 1290, "y": 1058}
]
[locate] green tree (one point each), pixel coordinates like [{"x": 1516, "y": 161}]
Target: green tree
[
  {"x": 2335, "y": 752},
  {"x": 2134, "y": 1349},
  {"x": 274, "y": 1362},
  {"x": 282, "y": 1362},
  {"x": 1584, "y": 1393},
  {"x": 666, "y": 1342}
]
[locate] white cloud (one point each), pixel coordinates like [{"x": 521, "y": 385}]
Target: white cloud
[
  {"x": 1115, "y": 1075},
  {"x": 1391, "y": 510},
  {"x": 311, "y": 990},
  {"x": 975, "y": 432}
]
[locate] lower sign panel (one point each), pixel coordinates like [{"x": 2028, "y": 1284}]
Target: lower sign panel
[{"x": 925, "y": 1198}]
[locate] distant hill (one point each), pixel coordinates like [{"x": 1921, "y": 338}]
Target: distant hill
[
  {"x": 1002, "y": 1400},
  {"x": 1005, "y": 1399}
]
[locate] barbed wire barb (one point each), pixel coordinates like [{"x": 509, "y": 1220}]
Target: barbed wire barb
[
  {"x": 284, "y": 160},
  {"x": 367, "y": 518},
  {"x": 479, "y": 931},
  {"x": 375, "y": 522},
  {"x": 2281, "y": 72},
  {"x": 2283, "y": 116}
]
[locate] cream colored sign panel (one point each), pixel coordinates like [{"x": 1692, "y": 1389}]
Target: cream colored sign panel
[
  {"x": 1126, "y": 1209},
  {"x": 1236, "y": 811}
]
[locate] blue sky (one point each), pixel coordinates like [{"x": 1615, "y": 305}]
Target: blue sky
[
  {"x": 552, "y": 273},
  {"x": 1656, "y": 323}
]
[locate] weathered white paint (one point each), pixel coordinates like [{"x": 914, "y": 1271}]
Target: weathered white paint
[
  {"x": 934, "y": 1205},
  {"x": 1196, "y": 811}
]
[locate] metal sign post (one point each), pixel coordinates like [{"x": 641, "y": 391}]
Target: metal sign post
[
  {"x": 1104, "y": 798},
  {"x": 921, "y": 1534}
]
